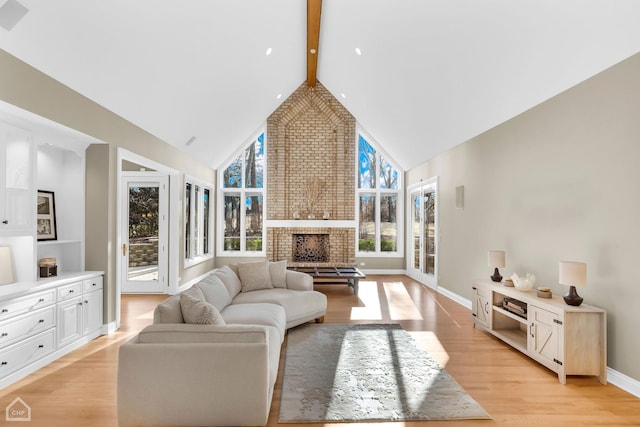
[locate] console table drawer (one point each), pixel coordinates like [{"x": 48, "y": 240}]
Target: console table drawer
[
  {"x": 27, "y": 351},
  {"x": 27, "y": 304},
  {"x": 27, "y": 325},
  {"x": 69, "y": 291}
]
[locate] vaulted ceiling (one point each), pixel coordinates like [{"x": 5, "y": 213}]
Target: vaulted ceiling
[{"x": 430, "y": 74}]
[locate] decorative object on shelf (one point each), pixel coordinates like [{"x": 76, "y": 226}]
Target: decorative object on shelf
[
  {"x": 311, "y": 215},
  {"x": 496, "y": 260},
  {"x": 508, "y": 282},
  {"x": 544, "y": 292},
  {"x": 525, "y": 283},
  {"x": 573, "y": 274},
  {"x": 46, "y": 216},
  {"x": 314, "y": 189},
  {"x": 48, "y": 267},
  {"x": 325, "y": 215},
  {"x": 7, "y": 274},
  {"x": 296, "y": 215}
]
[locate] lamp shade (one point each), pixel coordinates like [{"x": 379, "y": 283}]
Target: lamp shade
[
  {"x": 573, "y": 273},
  {"x": 6, "y": 266},
  {"x": 496, "y": 259}
]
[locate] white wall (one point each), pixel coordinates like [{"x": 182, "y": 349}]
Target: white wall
[{"x": 559, "y": 182}]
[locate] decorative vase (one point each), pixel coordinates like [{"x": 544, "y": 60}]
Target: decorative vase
[
  {"x": 311, "y": 216},
  {"x": 325, "y": 215},
  {"x": 296, "y": 215}
]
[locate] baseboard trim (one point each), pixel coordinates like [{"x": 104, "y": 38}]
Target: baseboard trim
[
  {"x": 109, "y": 328},
  {"x": 623, "y": 381},
  {"x": 618, "y": 379},
  {"x": 384, "y": 272}
]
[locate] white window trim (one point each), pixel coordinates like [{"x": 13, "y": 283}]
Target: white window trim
[
  {"x": 432, "y": 280},
  {"x": 243, "y": 193},
  {"x": 378, "y": 193},
  {"x": 190, "y": 262}
]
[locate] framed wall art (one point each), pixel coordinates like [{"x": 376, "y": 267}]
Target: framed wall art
[{"x": 46, "y": 216}]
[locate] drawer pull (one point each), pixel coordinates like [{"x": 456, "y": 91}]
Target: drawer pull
[
  {"x": 41, "y": 346},
  {"x": 94, "y": 284},
  {"x": 86, "y": 302},
  {"x": 41, "y": 300},
  {"x": 3, "y": 363},
  {"x": 70, "y": 291},
  {"x": 4, "y": 334},
  {"x": 5, "y": 221},
  {"x": 80, "y": 303},
  {"x": 41, "y": 321},
  {"x": 4, "y": 310}
]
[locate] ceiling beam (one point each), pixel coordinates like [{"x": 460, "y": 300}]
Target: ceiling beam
[{"x": 314, "y": 8}]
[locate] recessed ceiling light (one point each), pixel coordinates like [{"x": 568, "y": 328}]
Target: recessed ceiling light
[
  {"x": 343, "y": 96},
  {"x": 358, "y": 51},
  {"x": 313, "y": 51},
  {"x": 279, "y": 96},
  {"x": 269, "y": 50}
]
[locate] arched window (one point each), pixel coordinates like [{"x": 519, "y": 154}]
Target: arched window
[
  {"x": 379, "y": 200},
  {"x": 241, "y": 201}
]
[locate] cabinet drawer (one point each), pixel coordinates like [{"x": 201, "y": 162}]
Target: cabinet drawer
[
  {"x": 69, "y": 291},
  {"x": 21, "y": 354},
  {"x": 92, "y": 284},
  {"x": 26, "y": 304},
  {"x": 24, "y": 326}
]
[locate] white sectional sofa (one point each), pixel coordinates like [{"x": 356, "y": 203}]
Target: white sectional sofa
[{"x": 211, "y": 356}]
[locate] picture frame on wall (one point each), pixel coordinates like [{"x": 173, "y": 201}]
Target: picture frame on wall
[{"x": 46, "y": 216}]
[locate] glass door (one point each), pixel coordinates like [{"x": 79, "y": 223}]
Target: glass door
[
  {"x": 144, "y": 233},
  {"x": 422, "y": 262}
]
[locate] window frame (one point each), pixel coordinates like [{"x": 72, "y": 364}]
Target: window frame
[
  {"x": 243, "y": 192},
  {"x": 196, "y": 217},
  {"x": 379, "y": 194}
]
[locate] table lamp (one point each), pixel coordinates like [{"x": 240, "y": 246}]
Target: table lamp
[
  {"x": 496, "y": 260},
  {"x": 6, "y": 266},
  {"x": 573, "y": 274}
]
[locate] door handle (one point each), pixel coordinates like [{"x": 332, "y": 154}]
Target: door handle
[{"x": 124, "y": 249}]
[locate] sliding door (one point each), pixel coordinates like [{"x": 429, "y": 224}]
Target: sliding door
[{"x": 422, "y": 262}]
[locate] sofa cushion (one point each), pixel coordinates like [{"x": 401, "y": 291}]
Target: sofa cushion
[
  {"x": 168, "y": 311},
  {"x": 198, "y": 311},
  {"x": 215, "y": 292},
  {"x": 257, "y": 314},
  {"x": 230, "y": 279},
  {"x": 278, "y": 273},
  {"x": 305, "y": 305},
  {"x": 254, "y": 275}
]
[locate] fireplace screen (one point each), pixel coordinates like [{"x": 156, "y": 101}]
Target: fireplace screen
[{"x": 310, "y": 247}]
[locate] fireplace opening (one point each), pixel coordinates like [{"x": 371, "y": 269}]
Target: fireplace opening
[{"x": 310, "y": 247}]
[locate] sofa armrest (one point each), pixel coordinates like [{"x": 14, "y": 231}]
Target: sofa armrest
[
  {"x": 299, "y": 281},
  {"x": 194, "y": 383}
]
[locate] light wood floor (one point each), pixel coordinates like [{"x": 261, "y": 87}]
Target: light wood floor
[{"x": 80, "y": 388}]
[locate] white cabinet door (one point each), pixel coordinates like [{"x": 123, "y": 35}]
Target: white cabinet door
[
  {"x": 544, "y": 345},
  {"x": 92, "y": 311},
  {"x": 70, "y": 321},
  {"x": 17, "y": 197},
  {"x": 481, "y": 309}
]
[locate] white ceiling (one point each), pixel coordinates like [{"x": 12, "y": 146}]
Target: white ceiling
[{"x": 432, "y": 74}]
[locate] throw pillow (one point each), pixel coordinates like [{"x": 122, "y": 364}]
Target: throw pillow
[
  {"x": 278, "y": 272},
  {"x": 254, "y": 275},
  {"x": 199, "y": 312}
]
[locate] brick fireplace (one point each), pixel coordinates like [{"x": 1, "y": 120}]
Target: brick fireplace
[{"x": 311, "y": 170}]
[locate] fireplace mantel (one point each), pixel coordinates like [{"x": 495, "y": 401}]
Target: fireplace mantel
[{"x": 311, "y": 223}]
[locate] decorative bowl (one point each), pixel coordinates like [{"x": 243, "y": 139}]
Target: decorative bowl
[{"x": 523, "y": 284}]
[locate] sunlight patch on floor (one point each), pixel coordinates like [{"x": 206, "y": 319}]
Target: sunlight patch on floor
[
  {"x": 368, "y": 295},
  {"x": 401, "y": 306},
  {"x": 428, "y": 341},
  {"x": 148, "y": 315}
]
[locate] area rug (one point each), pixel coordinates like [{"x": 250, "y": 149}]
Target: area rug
[{"x": 367, "y": 373}]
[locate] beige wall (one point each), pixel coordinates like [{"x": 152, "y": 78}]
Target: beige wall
[
  {"x": 29, "y": 89},
  {"x": 559, "y": 182}
]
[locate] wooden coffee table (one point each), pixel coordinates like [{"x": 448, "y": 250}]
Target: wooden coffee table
[{"x": 333, "y": 275}]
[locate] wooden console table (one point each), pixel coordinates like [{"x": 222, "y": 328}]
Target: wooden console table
[{"x": 333, "y": 275}]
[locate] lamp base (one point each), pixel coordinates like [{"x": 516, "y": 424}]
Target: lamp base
[
  {"x": 572, "y": 298},
  {"x": 496, "y": 276}
]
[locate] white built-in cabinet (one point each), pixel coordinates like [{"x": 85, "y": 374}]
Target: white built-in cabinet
[
  {"x": 42, "y": 319},
  {"x": 16, "y": 180},
  {"x": 566, "y": 339}
]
